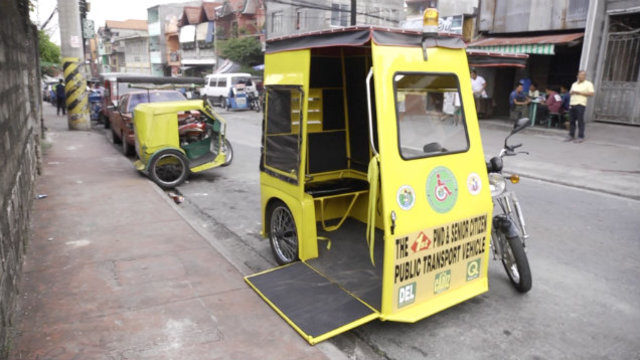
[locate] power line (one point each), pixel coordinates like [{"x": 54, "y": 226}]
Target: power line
[{"x": 303, "y": 4}]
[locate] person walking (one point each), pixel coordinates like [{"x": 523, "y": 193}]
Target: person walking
[
  {"x": 580, "y": 91},
  {"x": 61, "y": 99}
]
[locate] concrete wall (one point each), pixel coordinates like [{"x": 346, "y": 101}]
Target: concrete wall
[
  {"x": 20, "y": 114},
  {"x": 506, "y": 16}
]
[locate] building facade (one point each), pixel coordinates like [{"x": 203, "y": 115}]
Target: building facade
[
  {"x": 611, "y": 57},
  {"x": 297, "y": 16},
  {"x": 123, "y": 46},
  {"x": 161, "y": 18},
  {"x": 551, "y": 32},
  {"x": 197, "y": 39}
]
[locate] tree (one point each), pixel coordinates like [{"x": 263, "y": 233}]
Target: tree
[
  {"x": 49, "y": 52},
  {"x": 245, "y": 51}
]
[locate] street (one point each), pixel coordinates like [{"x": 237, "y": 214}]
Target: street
[{"x": 583, "y": 252}]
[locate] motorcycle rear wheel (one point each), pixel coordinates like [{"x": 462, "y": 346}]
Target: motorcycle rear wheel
[{"x": 515, "y": 262}]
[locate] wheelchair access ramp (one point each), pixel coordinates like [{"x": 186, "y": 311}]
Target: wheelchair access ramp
[{"x": 312, "y": 304}]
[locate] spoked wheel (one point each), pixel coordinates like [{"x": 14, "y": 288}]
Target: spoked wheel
[
  {"x": 228, "y": 152},
  {"x": 168, "y": 169},
  {"x": 282, "y": 234},
  {"x": 515, "y": 262}
]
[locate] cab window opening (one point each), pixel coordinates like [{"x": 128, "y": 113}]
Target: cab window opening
[{"x": 430, "y": 115}]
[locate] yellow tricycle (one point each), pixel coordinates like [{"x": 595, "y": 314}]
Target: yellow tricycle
[
  {"x": 174, "y": 139},
  {"x": 374, "y": 189}
]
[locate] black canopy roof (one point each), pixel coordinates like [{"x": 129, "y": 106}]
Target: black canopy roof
[
  {"x": 360, "y": 35},
  {"x": 159, "y": 80}
]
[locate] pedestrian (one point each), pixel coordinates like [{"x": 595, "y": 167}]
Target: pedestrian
[
  {"x": 519, "y": 102},
  {"x": 478, "y": 85},
  {"x": 534, "y": 93},
  {"x": 61, "y": 99},
  {"x": 553, "y": 104},
  {"x": 580, "y": 91}
]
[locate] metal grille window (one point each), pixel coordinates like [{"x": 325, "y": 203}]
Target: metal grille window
[{"x": 339, "y": 14}]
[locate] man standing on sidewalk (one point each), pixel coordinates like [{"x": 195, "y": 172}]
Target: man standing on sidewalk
[
  {"x": 61, "y": 99},
  {"x": 580, "y": 91}
]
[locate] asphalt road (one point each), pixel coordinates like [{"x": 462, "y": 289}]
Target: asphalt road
[{"x": 583, "y": 253}]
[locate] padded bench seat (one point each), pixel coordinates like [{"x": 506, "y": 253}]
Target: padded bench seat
[{"x": 336, "y": 187}]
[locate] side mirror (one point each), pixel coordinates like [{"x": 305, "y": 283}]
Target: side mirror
[
  {"x": 520, "y": 124},
  {"x": 517, "y": 126}
]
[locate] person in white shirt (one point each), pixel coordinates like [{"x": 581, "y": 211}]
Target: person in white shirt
[{"x": 478, "y": 85}]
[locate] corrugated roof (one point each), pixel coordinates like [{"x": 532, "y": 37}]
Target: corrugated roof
[
  {"x": 193, "y": 15},
  {"x": 127, "y": 24},
  {"x": 525, "y": 40}
]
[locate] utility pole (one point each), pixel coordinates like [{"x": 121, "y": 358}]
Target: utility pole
[
  {"x": 353, "y": 12},
  {"x": 72, "y": 64}
]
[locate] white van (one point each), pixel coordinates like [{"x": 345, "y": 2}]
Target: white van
[{"x": 216, "y": 86}]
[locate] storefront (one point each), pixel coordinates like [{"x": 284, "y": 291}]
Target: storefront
[{"x": 553, "y": 60}]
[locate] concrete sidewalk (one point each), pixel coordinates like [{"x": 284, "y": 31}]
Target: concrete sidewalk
[
  {"x": 113, "y": 272},
  {"x": 608, "y": 161}
]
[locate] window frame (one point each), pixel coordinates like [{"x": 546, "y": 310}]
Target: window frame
[{"x": 395, "y": 104}]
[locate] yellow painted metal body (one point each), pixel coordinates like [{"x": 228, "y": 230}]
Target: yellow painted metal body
[
  {"x": 156, "y": 129},
  {"x": 432, "y": 291}
]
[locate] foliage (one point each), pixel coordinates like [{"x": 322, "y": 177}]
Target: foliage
[
  {"x": 49, "y": 52},
  {"x": 245, "y": 51}
]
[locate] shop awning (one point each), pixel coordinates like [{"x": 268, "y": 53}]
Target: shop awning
[
  {"x": 540, "y": 45},
  {"x": 481, "y": 58},
  {"x": 187, "y": 34}
]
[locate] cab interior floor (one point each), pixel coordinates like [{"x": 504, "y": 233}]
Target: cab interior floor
[{"x": 348, "y": 263}]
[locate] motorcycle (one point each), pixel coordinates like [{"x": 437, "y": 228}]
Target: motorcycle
[
  {"x": 509, "y": 232},
  {"x": 254, "y": 103}
]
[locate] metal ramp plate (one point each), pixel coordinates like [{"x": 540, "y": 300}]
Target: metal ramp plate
[{"x": 313, "y": 305}]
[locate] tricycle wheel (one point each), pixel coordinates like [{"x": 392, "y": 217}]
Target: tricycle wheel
[
  {"x": 283, "y": 236},
  {"x": 228, "y": 152},
  {"x": 515, "y": 262},
  {"x": 114, "y": 137},
  {"x": 168, "y": 169}
]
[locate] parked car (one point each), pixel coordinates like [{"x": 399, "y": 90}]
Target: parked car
[
  {"x": 121, "y": 117},
  {"x": 217, "y": 86},
  {"x": 118, "y": 84}
]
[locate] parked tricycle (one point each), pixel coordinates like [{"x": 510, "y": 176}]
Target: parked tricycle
[
  {"x": 173, "y": 139},
  {"x": 374, "y": 189}
]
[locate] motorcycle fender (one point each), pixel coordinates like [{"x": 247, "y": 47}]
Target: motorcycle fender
[{"x": 504, "y": 224}]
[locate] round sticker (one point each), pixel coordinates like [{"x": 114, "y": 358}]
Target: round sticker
[
  {"x": 474, "y": 184},
  {"x": 442, "y": 189},
  {"x": 406, "y": 197}
]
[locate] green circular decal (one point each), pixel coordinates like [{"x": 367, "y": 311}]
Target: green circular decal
[{"x": 442, "y": 189}]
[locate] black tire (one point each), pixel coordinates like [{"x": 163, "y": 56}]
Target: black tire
[
  {"x": 515, "y": 262},
  {"x": 221, "y": 101},
  {"x": 114, "y": 137},
  {"x": 127, "y": 149},
  {"x": 228, "y": 150},
  {"x": 283, "y": 235},
  {"x": 168, "y": 169}
]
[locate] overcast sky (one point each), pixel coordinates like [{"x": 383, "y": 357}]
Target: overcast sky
[{"x": 101, "y": 10}]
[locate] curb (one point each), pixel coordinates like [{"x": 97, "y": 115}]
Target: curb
[{"x": 577, "y": 186}]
